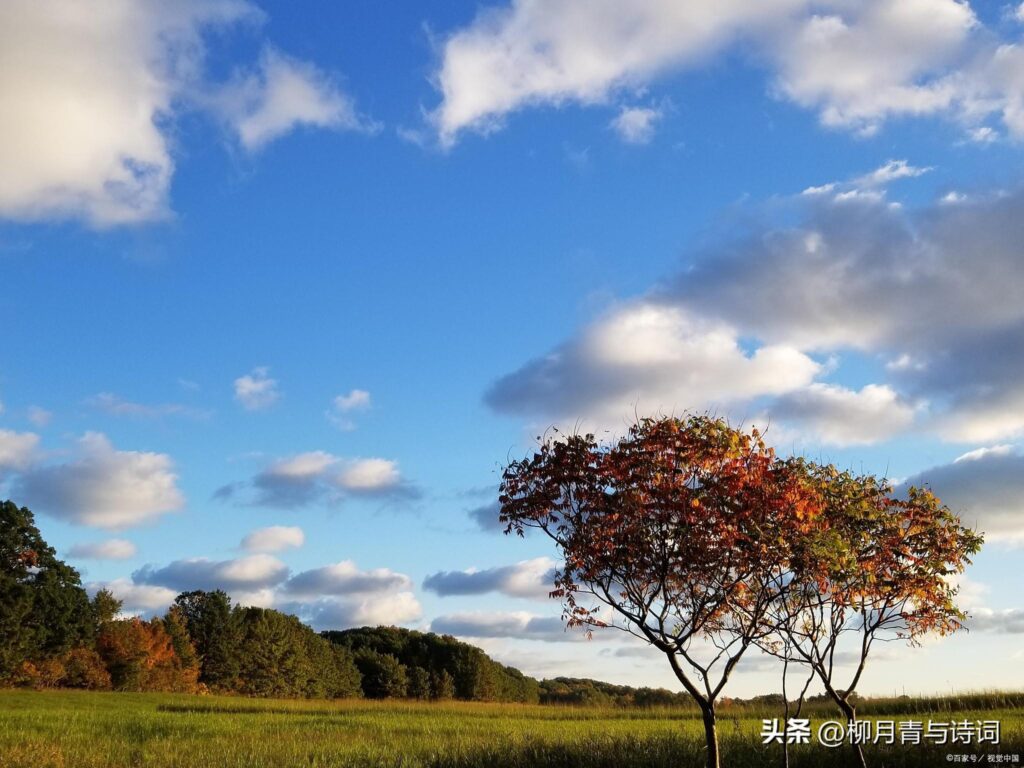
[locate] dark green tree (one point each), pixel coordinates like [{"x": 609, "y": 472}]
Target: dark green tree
[
  {"x": 384, "y": 677},
  {"x": 214, "y": 634},
  {"x": 44, "y": 612},
  {"x": 419, "y": 683}
]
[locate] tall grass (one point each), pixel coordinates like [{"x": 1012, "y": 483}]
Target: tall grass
[{"x": 66, "y": 729}]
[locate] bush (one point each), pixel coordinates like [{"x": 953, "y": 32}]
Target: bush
[{"x": 83, "y": 668}]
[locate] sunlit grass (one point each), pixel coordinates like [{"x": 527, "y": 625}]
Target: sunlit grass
[{"x": 103, "y": 730}]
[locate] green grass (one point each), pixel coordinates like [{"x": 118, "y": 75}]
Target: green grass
[{"x": 70, "y": 729}]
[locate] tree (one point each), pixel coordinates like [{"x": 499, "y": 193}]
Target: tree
[
  {"x": 272, "y": 658},
  {"x": 419, "y": 683},
  {"x": 874, "y": 568},
  {"x": 442, "y": 686},
  {"x": 214, "y": 633},
  {"x": 140, "y": 656},
  {"x": 384, "y": 677},
  {"x": 673, "y": 534},
  {"x": 44, "y": 612},
  {"x": 105, "y": 608}
]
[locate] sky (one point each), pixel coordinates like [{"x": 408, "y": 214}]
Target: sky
[{"x": 281, "y": 292}]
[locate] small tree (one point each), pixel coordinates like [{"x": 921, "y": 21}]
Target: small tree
[
  {"x": 874, "y": 568},
  {"x": 675, "y": 534}
]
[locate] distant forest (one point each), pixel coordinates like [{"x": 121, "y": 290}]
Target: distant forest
[{"x": 53, "y": 635}]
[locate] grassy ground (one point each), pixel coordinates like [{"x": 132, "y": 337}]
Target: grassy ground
[{"x": 68, "y": 729}]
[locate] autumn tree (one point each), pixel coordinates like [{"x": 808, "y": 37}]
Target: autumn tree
[
  {"x": 140, "y": 656},
  {"x": 674, "y": 533},
  {"x": 874, "y": 568}
]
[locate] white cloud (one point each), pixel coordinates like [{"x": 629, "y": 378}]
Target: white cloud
[
  {"x": 250, "y": 573},
  {"x": 111, "y": 549},
  {"x": 40, "y": 417},
  {"x": 306, "y": 477},
  {"x": 889, "y": 172},
  {"x": 839, "y": 416},
  {"x": 635, "y": 125},
  {"x": 985, "y": 487},
  {"x": 256, "y": 390},
  {"x": 91, "y": 86},
  {"x": 856, "y": 63},
  {"x": 136, "y": 598},
  {"x": 380, "y": 610},
  {"x": 369, "y": 475},
  {"x": 527, "y": 578},
  {"x": 345, "y": 578},
  {"x": 105, "y": 487},
  {"x": 343, "y": 405},
  {"x": 511, "y": 624},
  {"x": 859, "y": 63},
  {"x": 354, "y": 400},
  {"x": 281, "y": 95},
  {"x": 653, "y": 357},
  {"x": 273, "y": 538},
  {"x": 18, "y": 450},
  {"x": 559, "y": 51},
  {"x": 97, "y": 89},
  {"x": 934, "y": 290}
]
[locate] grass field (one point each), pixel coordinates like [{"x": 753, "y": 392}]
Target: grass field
[{"x": 70, "y": 729}]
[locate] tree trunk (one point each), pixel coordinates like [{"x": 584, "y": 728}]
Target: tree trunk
[
  {"x": 851, "y": 715},
  {"x": 711, "y": 735}
]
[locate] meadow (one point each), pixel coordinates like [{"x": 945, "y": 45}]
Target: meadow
[{"x": 78, "y": 729}]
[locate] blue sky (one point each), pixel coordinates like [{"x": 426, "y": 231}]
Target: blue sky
[{"x": 328, "y": 272}]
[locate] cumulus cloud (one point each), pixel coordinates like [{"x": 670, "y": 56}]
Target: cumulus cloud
[
  {"x": 985, "y": 487},
  {"x": 513, "y": 624},
  {"x": 136, "y": 598},
  {"x": 861, "y": 63},
  {"x": 836, "y": 415},
  {"x": 380, "y": 610},
  {"x": 307, "y": 477},
  {"x": 654, "y": 357},
  {"x": 244, "y": 574},
  {"x": 90, "y": 87},
  {"x": 256, "y": 390},
  {"x": 18, "y": 450},
  {"x": 111, "y": 549},
  {"x": 341, "y": 595},
  {"x": 345, "y": 578},
  {"x": 527, "y": 578},
  {"x": 635, "y": 125},
  {"x": 282, "y": 94},
  {"x": 935, "y": 290},
  {"x": 274, "y": 538},
  {"x": 531, "y": 53},
  {"x": 97, "y": 90},
  {"x": 105, "y": 487},
  {"x": 855, "y": 64}
]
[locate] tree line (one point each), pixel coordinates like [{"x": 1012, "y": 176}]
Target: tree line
[{"x": 53, "y": 635}]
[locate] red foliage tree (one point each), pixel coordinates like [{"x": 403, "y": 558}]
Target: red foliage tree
[
  {"x": 682, "y": 529},
  {"x": 874, "y": 568}
]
